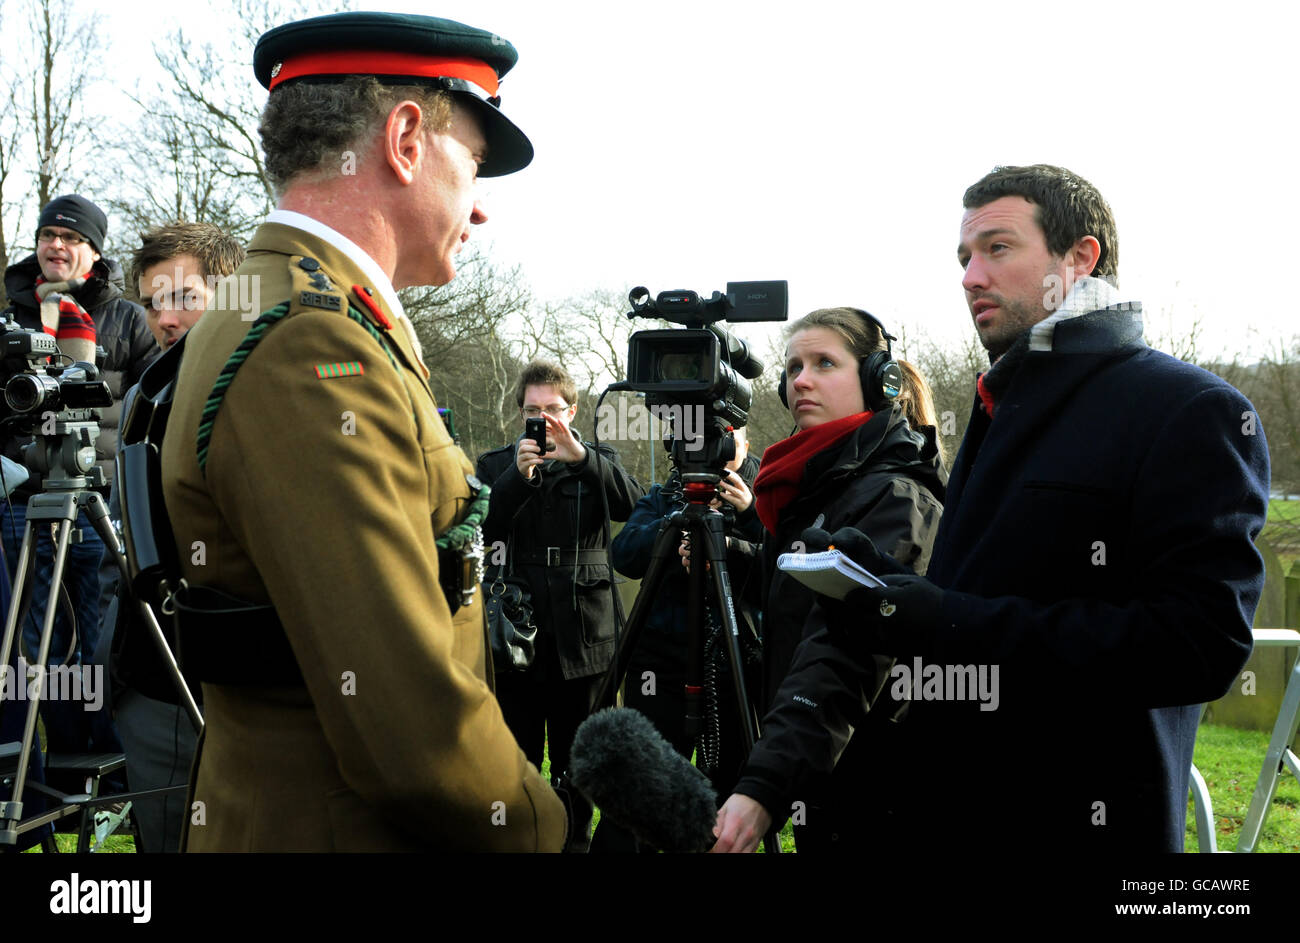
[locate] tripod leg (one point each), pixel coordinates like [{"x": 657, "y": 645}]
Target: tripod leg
[
  {"x": 12, "y": 810},
  {"x": 663, "y": 556},
  {"x": 715, "y": 543}
]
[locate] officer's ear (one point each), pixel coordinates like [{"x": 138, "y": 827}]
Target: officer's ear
[{"x": 403, "y": 143}]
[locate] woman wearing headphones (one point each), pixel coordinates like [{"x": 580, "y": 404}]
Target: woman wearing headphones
[{"x": 864, "y": 455}]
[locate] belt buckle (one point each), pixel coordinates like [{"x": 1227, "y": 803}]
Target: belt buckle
[{"x": 552, "y": 556}]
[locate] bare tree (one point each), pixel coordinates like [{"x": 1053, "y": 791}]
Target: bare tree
[
  {"x": 169, "y": 174},
  {"x": 197, "y": 156},
  {"x": 468, "y": 330},
  {"x": 10, "y": 141},
  {"x": 951, "y": 373},
  {"x": 67, "y": 49}
]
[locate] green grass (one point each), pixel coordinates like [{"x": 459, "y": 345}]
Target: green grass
[
  {"x": 1230, "y": 761},
  {"x": 67, "y": 843},
  {"x": 1282, "y": 531},
  {"x": 1283, "y": 511}
]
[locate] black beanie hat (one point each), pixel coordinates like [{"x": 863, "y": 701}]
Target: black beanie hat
[{"x": 78, "y": 214}]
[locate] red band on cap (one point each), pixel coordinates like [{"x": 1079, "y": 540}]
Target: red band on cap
[{"x": 383, "y": 62}]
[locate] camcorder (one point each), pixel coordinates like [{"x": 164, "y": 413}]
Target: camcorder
[
  {"x": 699, "y": 376},
  {"x": 56, "y": 402}
]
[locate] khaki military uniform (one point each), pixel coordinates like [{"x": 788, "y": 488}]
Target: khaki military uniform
[{"x": 329, "y": 474}]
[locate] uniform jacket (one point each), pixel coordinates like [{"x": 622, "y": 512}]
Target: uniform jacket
[
  {"x": 120, "y": 328},
  {"x": 561, "y": 507},
  {"x": 888, "y": 481},
  {"x": 323, "y": 497}
]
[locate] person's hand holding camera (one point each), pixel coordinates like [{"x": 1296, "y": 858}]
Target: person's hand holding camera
[
  {"x": 527, "y": 457},
  {"x": 567, "y": 447}
]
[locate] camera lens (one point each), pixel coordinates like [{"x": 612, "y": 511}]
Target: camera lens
[{"x": 25, "y": 393}]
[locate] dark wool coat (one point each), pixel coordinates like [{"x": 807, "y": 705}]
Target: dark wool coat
[
  {"x": 1099, "y": 540},
  {"x": 1097, "y": 545},
  {"x": 120, "y": 328},
  {"x": 561, "y": 507}
]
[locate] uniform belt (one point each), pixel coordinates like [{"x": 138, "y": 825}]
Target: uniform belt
[
  {"x": 561, "y": 556},
  {"x": 224, "y": 640}
]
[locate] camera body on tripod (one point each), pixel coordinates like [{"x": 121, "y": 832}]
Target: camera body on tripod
[
  {"x": 57, "y": 403},
  {"x": 702, "y": 367}
]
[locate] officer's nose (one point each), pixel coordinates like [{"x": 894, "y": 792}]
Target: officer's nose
[{"x": 478, "y": 215}]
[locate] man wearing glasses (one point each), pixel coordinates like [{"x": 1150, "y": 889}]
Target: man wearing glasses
[
  {"x": 548, "y": 510},
  {"x": 67, "y": 288}
]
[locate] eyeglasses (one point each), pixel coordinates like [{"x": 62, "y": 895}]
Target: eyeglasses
[
  {"x": 67, "y": 238},
  {"x": 554, "y": 411}
]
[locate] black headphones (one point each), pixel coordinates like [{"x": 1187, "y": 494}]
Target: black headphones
[{"x": 878, "y": 372}]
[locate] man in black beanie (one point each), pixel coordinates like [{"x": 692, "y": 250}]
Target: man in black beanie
[{"x": 69, "y": 290}]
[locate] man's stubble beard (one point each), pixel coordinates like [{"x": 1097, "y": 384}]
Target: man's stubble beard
[{"x": 1015, "y": 318}]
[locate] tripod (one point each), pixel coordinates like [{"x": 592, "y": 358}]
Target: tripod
[
  {"x": 704, "y": 528},
  {"x": 68, "y": 445}
]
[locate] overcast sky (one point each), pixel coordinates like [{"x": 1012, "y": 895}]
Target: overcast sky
[{"x": 685, "y": 144}]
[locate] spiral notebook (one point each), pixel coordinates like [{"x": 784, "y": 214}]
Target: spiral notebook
[{"x": 830, "y": 572}]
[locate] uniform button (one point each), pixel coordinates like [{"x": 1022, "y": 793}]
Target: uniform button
[
  {"x": 474, "y": 483},
  {"x": 309, "y": 264}
]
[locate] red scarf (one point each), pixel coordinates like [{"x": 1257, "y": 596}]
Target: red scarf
[
  {"x": 985, "y": 394},
  {"x": 782, "y": 468}
]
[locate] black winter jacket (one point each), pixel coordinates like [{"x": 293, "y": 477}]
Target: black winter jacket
[
  {"x": 561, "y": 509},
  {"x": 120, "y": 328},
  {"x": 888, "y": 481}
]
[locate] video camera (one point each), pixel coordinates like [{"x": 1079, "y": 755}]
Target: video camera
[
  {"x": 704, "y": 368},
  {"x": 56, "y": 402}
]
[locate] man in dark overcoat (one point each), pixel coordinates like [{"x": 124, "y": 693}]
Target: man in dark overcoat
[{"x": 1094, "y": 578}]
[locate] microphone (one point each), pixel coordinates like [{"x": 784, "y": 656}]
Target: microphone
[{"x": 623, "y": 765}]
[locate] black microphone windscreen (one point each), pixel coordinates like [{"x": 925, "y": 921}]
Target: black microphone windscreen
[{"x": 623, "y": 765}]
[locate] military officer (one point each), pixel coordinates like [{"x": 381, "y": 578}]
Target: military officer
[{"x": 306, "y": 470}]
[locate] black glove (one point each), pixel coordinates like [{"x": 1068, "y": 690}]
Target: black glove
[
  {"x": 897, "y": 619},
  {"x": 855, "y": 545}
]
